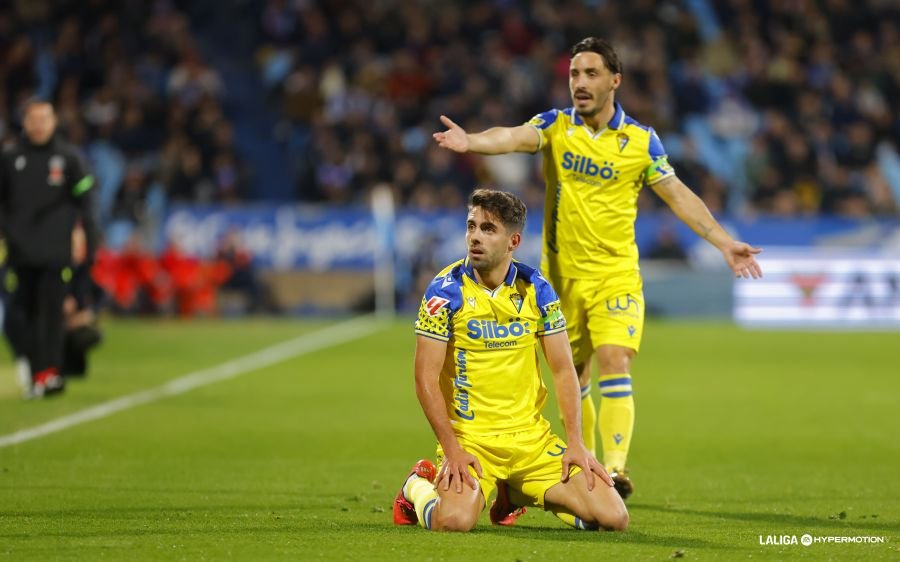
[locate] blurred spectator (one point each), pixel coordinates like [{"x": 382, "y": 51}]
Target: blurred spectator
[
  {"x": 133, "y": 278},
  {"x": 194, "y": 281},
  {"x": 667, "y": 246},
  {"x": 243, "y": 278},
  {"x": 189, "y": 182},
  {"x": 80, "y": 308},
  {"x": 130, "y": 202}
]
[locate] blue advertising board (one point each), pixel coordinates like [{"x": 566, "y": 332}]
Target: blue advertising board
[{"x": 321, "y": 238}]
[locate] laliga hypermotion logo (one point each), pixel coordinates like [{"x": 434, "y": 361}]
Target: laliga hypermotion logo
[{"x": 435, "y": 304}]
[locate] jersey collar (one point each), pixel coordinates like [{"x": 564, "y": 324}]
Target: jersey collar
[
  {"x": 510, "y": 275},
  {"x": 615, "y": 123}
]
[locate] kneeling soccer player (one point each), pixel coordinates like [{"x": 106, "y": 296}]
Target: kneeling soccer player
[{"x": 478, "y": 381}]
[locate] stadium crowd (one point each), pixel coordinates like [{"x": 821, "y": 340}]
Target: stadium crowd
[
  {"x": 783, "y": 108},
  {"x": 764, "y": 106},
  {"x": 776, "y": 107}
]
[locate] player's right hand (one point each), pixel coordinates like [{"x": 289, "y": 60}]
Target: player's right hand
[
  {"x": 578, "y": 455},
  {"x": 455, "y": 469},
  {"x": 454, "y": 138}
]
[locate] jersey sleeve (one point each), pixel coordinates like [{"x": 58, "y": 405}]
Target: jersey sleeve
[
  {"x": 81, "y": 181},
  {"x": 659, "y": 168},
  {"x": 542, "y": 123},
  {"x": 552, "y": 319},
  {"x": 442, "y": 299}
]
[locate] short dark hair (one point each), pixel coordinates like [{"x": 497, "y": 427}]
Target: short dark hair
[
  {"x": 34, "y": 102},
  {"x": 504, "y": 205},
  {"x": 603, "y": 48}
]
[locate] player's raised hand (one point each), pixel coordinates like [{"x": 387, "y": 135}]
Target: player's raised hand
[
  {"x": 455, "y": 469},
  {"x": 578, "y": 455},
  {"x": 741, "y": 260},
  {"x": 454, "y": 138}
]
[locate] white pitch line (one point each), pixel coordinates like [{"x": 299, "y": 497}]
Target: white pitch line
[{"x": 301, "y": 345}]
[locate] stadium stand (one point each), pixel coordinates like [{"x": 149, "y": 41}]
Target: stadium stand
[{"x": 766, "y": 108}]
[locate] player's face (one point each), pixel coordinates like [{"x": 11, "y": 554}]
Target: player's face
[
  {"x": 591, "y": 83},
  {"x": 489, "y": 242},
  {"x": 40, "y": 122}
]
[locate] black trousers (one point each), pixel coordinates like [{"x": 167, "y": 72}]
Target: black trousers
[{"x": 38, "y": 303}]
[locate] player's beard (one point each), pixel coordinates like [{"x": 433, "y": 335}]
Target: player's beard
[
  {"x": 599, "y": 104},
  {"x": 588, "y": 112},
  {"x": 486, "y": 262}
]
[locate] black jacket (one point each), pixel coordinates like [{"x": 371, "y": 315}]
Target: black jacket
[{"x": 44, "y": 191}]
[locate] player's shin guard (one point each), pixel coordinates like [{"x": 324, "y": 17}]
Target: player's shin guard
[
  {"x": 616, "y": 421},
  {"x": 588, "y": 419},
  {"x": 421, "y": 493}
]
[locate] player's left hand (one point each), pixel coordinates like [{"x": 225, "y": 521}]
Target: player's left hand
[
  {"x": 578, "y": 455},
  {"x": 741, "y": 260}
]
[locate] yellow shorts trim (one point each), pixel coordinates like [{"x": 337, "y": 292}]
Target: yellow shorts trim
[
  {"x": 528, "y": 461},
  {"x": 607, "y": 311}
]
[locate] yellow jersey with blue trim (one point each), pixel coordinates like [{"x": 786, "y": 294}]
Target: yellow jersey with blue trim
[
  {"x": 593, "y": 180},
  {"x": 491, "y": 378}
]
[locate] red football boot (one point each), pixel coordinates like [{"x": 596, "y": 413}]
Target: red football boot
[
  {"x": 503, "y": 512},
  {"x": 404, "y": 511}
]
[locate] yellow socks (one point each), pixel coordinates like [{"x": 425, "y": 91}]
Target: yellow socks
[
  {"x": 421, "y": 493},
  {"x": 616, "y": 421},
  {"x": 572, "y": 521}
]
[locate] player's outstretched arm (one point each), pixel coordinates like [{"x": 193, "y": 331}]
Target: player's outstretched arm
[
  {"x": 430, "y": 354},
  {"x": 565, "y": 379},
  {"x": 740, "y": 256},
  {"x": 497, "y": 140}
]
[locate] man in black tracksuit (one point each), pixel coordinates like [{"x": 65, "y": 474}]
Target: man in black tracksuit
[{"x": 45, "y": 190}]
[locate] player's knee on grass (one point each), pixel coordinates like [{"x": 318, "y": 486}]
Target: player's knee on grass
[
  {"x": 458, "y": 512},
  {"x": 601, "y": 507},
  {"x": 455, "y": 518},
  {"x": 613, "y": 518},
  {"x": 606, "y": 509},
  {"x": 460, "y": 522}
]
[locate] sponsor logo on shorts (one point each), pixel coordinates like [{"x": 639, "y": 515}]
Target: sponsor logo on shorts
[
  {"x": 558, "y": 452},
  {"x": 624, "y": 305}
]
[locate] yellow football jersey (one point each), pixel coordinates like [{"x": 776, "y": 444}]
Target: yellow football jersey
[
  {"x": 491, "y": 380},
  {"x": 593, "y": 181}
]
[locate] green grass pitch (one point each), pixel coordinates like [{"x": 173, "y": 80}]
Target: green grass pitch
[{"x": 739, "y": 434}]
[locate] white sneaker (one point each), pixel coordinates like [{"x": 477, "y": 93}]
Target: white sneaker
[{"x": 23, "y": 376}]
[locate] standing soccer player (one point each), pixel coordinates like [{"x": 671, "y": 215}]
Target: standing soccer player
[
  {"x": 478, "y": 380},
  {"x": 596, "y": 160}
]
